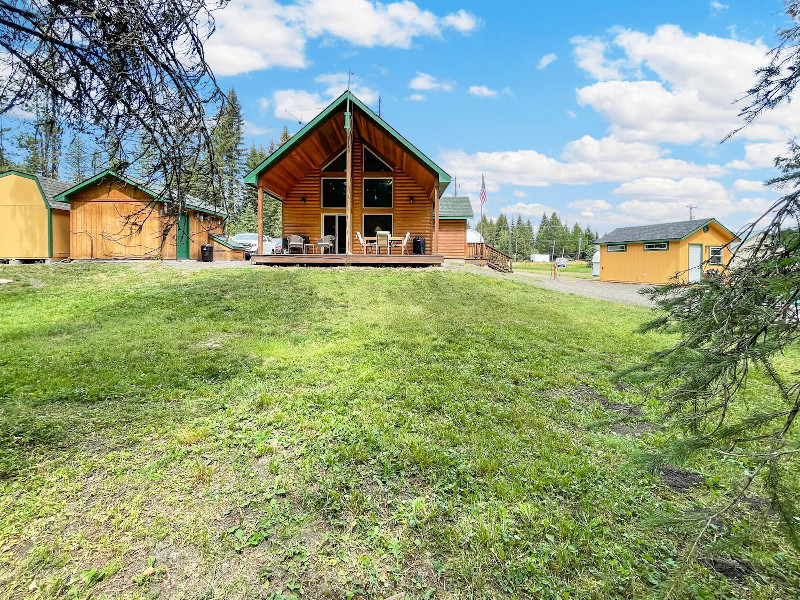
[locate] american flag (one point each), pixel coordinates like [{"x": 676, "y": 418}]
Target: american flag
[{"x": 483, "y": 190}]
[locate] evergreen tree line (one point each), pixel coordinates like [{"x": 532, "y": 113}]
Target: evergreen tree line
[
  {"x": 39, "y": 149},
  {"x": 520, "y": 240}
]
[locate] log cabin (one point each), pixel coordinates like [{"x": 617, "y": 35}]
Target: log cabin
[
  {"x": 115, "y": 217},
  {"x": 33, "y": 225},
  {"x": 658, "y": 253},
  {"x": 349, "y": 174}
]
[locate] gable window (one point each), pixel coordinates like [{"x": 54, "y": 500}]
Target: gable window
[
  {"x": 617, "y": 248},
  {"x": 715, "y": 255},
  {"x": 333, "y": 192},
  {"x": 657, "y": 246},
  {"x": 373, "y": 223},
  {"x": 373, "y": 164},
  {"x": 337, "y": 165},
  {"x": 377, "y": 192}
]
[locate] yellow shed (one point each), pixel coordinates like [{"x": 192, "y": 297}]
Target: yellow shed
[
  {"x": 33, "y": 225},
  {"x": 113, "y": 216},
  {"x": 658, "y": 253}
]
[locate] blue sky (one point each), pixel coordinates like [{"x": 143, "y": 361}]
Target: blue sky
[{"x": 608, "y": 112}]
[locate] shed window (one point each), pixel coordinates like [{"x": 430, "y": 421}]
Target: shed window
[
  {"x": 377, "y": 192},
  {"x": 333, "y": 192},
  {"x": 373, "y": 164},
  {"x": 617, "y": 248},
  {"x": 715, "y": 255},
  {"x": 657, "y": 246},
  {"x": 373, "y": 223}
]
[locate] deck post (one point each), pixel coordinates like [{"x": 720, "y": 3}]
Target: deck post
[
  {"x": 261, "y": 219},
  {"x": 436, "y": 217}
]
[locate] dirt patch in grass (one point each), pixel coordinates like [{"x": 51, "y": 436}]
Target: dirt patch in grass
[
  {"x": 729, "y": 567},
  {"x": 680, "y": 480},
  {"x": 636, "y": 429}
]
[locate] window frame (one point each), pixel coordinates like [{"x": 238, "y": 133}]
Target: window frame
[
  {"x": 363, "y": 195},
  {"x": 712, "y": 255},
  {"x": 331, "y": 161},
  {"x": 382, "y": 215},
  {"x": 662, "y": 246},
  {"x": 616, "y": 247},
  {"x": 322, "y": 193}
]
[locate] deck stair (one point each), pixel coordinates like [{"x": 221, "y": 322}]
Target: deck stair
[{"x": 484, "y": 254}]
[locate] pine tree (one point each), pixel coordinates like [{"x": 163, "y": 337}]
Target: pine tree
[
  {"x": 284, "y": 137},
  {"x": 76, "y": 159},
  {"x": 32, "y": 159},
  {"x": 228, "y": 135},
  {"x": 501, "y": 234},
  {"x": 96, "y": 162}
]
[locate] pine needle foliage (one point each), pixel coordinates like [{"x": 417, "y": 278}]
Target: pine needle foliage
[{"x": 742, "y": 319}]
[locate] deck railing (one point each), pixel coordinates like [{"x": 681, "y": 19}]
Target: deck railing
[{"x": 495, "y": 259}]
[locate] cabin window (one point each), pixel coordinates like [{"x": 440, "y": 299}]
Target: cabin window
[
  {"x": 373, "y": 164},
  {"x": 373, "y": 223},
  {"x": 334, "y": 194},
  {"x": 715, "y": 255},
  {"x": 617, "y": 248},
  {"x": 337, "y": 165},
  {"x": 377, "y": 192},
  {"x": 657, "y": 246}
]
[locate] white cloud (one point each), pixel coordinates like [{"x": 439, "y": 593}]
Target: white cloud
[
  {"x": 572, "y": 114},
  {"x": 590, "y": 54},
  {"x": 744, "y": 185},
  {"x": 251, "y": 36},
  {"x": 590, "y": 205},
  {"x": 717, "y": 7},
  {"x": 533, "y": 209},
  {"x": 609, "y": 149},
  {"x": 263, "y": 104},
  {"x": 674, "y": 87},
  {"x": 253, "y": 129},
  {"x": 417, "y": 98},
  {"x": 424, "y": 81},
  {"x": 759, "y": 155},
  {"x": 304, "y": 105},
  {"x": 546, "y": 60},
  {"x": 482, "y": 91},
  {"x": 659, "y": 188},
  {"x": 461, "y": 21},
  {"x": 520, "y": 194}
]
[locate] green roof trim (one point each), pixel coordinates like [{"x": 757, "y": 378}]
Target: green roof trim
[
  {"x": 46, "y": 206},
  {"x": 191, "y": 202},
  {"x": 252, "y": 177},
  {"x": 225, "y": 241}
]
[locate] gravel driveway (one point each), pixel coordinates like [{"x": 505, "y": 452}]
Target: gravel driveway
[{"x": 625, "y": 293}]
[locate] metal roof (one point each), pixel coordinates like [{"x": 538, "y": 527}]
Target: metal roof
[
  {"x": 660, "y": 232},
  {"x": 252, "y": 177},
  {"x": 455, "y": 207}
]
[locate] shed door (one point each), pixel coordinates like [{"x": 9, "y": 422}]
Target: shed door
[
  {"x": 695, "y": 262},
  {"x": 182, "y": 238}
]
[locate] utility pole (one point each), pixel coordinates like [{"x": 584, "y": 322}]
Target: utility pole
[
  {"x": 379, "y": 106},
  {"x": 691, "y": 208}
]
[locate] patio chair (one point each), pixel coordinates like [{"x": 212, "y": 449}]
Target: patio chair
[
  {"x": 326, "y": 243},
  {"x": 382, "y": 241},
  {"x": 402, "y": 245},
  {"x": 365, "y": 245},
  {"x": 295, "y": 243}
]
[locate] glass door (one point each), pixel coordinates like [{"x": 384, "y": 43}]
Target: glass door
[{"x": 336, "y": 225}]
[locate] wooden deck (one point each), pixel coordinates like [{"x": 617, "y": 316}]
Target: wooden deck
[{"x": 353, "y": 260}]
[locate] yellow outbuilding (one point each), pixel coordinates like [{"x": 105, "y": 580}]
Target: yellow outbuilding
[
  {"x": 33, "y": 225},
  {"x": 658, "y": 253}
]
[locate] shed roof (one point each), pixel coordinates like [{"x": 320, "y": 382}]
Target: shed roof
[
  {"x": 660, "y": 232},
  {"x": 49, "y": 188},
  {"x": 330, "y": 112},
  {"x": 455, "y": 207},
  {"x": 155, "y": 191}
]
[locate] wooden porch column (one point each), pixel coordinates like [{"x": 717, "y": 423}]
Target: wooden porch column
[
  {"x": 436, "y": 218},
  {"x": 348, "y": 183},
  {"x": 260, "y": 219}
]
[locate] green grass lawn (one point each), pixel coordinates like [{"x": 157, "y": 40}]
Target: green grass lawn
[
  {"x": 305, "y": 433},
  {"x": 575, "y": 269}
]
